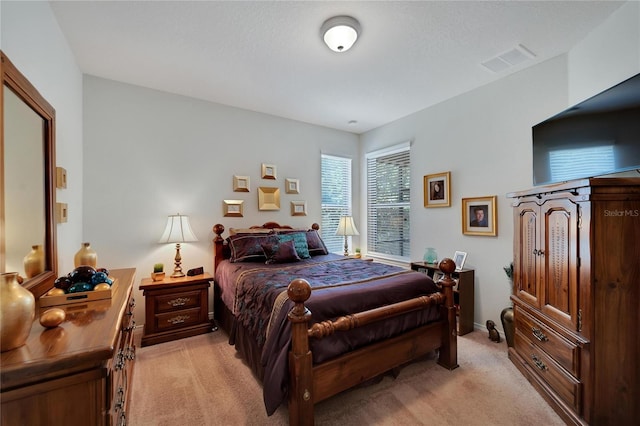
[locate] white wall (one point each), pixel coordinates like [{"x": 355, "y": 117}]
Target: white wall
[
  {"x": 148, "y": 154},
  {"x": 34, "y": 43},
  {"x": 483, "y": 138}
]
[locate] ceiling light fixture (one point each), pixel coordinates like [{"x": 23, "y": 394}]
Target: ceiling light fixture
[{"x": 340, "y": 32}]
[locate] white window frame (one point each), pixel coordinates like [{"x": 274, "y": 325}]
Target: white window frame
[
  {"x": 405, "y": 257},
  {"x": 331, "y": 213}
]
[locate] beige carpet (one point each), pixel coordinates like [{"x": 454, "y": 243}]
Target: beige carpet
[{"x": 200, "y": 381}]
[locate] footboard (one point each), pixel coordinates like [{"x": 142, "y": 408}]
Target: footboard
[{"x": 311, "y": 384}]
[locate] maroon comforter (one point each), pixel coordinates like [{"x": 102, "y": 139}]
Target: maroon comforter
[{"x": 256, "y": 294}]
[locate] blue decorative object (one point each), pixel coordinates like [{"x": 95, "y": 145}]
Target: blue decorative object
[{"x": 430, "y": 255}]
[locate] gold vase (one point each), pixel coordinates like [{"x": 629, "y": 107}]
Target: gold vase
[
  {"x": 86, "y": 256},
  {"x": 34, "y": 262},
  {"x": 17, "y": 311}
]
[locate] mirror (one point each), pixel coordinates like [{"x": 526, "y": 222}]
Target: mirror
[{"x": 27, "y": 181}]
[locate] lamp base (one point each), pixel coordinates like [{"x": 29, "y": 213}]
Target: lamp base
[{"x": 177, "y": 270}]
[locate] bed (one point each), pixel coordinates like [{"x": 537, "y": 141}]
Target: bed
[{"x": 311, "y": 324}]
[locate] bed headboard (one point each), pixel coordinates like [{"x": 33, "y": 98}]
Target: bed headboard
[{"x": 221, "y": 249}]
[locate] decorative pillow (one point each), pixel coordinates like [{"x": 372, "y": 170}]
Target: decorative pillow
[
  {"x": 282, "y": 252},
  {"x": 315, "y": 243},
  {"x": 299, "y": 241},
  {"x": 248, "y": 247}
]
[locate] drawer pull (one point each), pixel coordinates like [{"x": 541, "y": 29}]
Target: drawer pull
[
  {"x": 538, "y": 334},
  {"x": 131, "y": 353},
  {"x": 119, "y": 360},
  {"x": 541, "y": 365},
  {"x": 179, "y": 319},
  {"x": 180, "y": 301}
]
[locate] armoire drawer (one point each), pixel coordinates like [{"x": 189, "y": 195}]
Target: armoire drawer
[
  {"x": 566, "y": 386},
  {"x": 563, "y": 351}
]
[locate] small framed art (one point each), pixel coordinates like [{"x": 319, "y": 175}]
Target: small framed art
[
  {"x": 241, "y": 184},
  {"x": 437, "y": 190},
  {"x": 233, "y": 208},
  {"x": 298, "y": 208},
  {"x": 268, "y": 171},
  {"x": 268, "y": 198},
  {"x": 479, "y": 216},
  {"x": 459, "y": 258},
  {"x": 292, "y": 186}
]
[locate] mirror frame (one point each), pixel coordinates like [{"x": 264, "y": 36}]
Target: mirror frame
[{"x": 20, "y": 85}]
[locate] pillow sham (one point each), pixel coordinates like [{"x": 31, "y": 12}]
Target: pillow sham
[
  {"x": 315, "y": 244},
  {"x": 299, "y": 241},
  {"x": 248, "y": 247},
  {"x": 282, "y": 252}
]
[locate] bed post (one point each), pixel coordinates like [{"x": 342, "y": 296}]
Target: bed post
[
  {"x": 448, "y": 357},
  {"x": 218, "y": 245},
  {"x": 300, "y": 358}
]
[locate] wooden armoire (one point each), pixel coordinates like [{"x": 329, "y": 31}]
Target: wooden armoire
[{"x": 576, "y": 297}]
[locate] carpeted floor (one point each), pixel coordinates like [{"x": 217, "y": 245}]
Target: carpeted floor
[{"x": 201, "y": 381}]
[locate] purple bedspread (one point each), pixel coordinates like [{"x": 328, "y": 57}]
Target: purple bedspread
[{"x": 340, "y": 286}]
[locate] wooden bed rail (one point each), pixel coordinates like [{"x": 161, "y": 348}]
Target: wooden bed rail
[{"x": 301, "y": 369}]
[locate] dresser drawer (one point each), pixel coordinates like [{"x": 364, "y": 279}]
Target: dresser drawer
[
  {"x": 564, "y": 352},
  {"x": 567, "y": 387},
  {"x": 178, "y": 319},
  {"x": 178, "y": 301}
]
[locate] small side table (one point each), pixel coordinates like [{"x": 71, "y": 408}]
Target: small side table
[{"x": 176, "y": 308}]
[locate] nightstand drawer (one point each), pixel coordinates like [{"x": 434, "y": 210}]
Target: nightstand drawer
[
  {"x": 567, "y": 387},
  {"x": 178, "y": 319},
  {"x": 566, "y": 353},
  {"x": 178, "y": 301}
]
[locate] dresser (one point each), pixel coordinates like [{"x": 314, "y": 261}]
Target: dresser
[
  {"x": 175, "y": 308},
  {"x": 79, "y": 372},
  {"x": 576, "y": 297}
]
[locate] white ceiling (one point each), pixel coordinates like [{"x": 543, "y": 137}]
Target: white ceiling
[{"x": 268, "y": 56}]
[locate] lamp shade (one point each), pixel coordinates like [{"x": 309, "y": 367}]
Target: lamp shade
[
  {"x": 178, "y": 230},
  {"x": 340, "y": 32},
  {"x": 347, "y": 227}
]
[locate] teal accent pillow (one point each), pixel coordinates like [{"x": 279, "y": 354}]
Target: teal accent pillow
[{"x": 299, "y": 241}]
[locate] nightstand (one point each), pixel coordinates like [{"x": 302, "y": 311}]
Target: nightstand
[{"x": 176, "y": 308}]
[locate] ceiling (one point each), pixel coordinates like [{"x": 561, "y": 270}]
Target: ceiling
[{"x": 268, "y": 56}]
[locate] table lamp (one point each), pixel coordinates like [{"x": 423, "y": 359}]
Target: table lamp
[
  {"x": 178, "y": 230},
  {"x": 347, "y": 228}
]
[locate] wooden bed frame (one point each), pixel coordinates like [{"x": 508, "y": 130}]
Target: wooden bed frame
[{"x": 310, "y": 384}]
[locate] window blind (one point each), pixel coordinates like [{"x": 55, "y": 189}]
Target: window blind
[
  {"x": 388, "y": 202},
  {"x": 336, "y": 199}
]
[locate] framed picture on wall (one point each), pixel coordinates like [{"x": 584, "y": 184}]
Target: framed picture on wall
[
  {"x": 268, "y": 198},
  {"x": 437, "y": 190},
  {"x": 292, "y": 186},
  {"x": 480, "y": 216},
  {"x": 268, "y": 171},
  {"x": 241, "y": 184},
  {"x": 298, "y": 208},
  {"x": 232, "y": 208}
]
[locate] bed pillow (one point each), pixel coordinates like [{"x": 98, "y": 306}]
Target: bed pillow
[
  {"x": 248, "y": 247},
  {"x": 281, "y": 252},
  {"x": 299, "y": 241},
  {"x": 315, "y": 244}
]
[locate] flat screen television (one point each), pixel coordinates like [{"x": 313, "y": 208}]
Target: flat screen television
[{"x": 599, "y": 136}]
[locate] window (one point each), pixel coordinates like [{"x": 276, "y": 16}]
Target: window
[
  {"x": 388, "y": 202},
  {"x": 336, "y": 199}
]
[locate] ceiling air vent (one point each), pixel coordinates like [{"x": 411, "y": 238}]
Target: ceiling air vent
[{"x": 508, "y": 59}]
